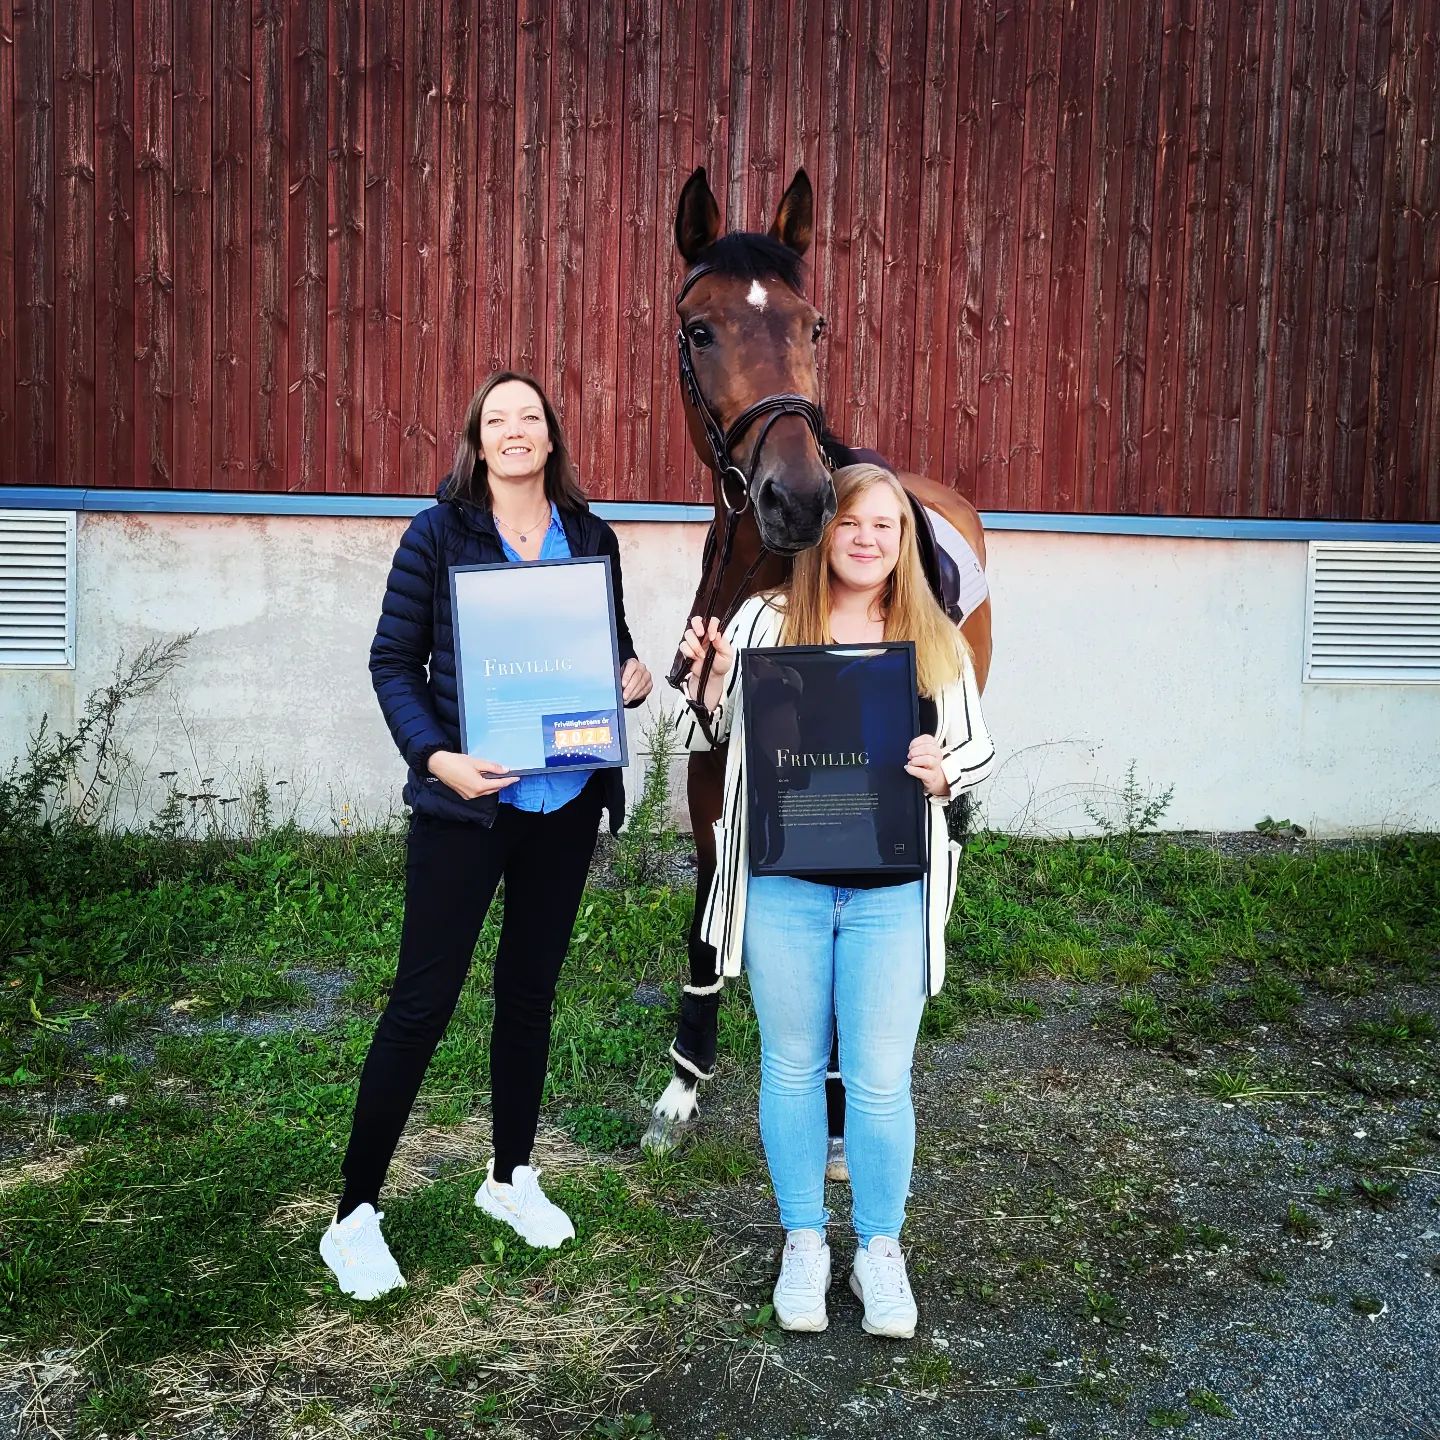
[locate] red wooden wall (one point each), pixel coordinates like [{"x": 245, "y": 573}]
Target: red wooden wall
[{"x": 1166, "y": 256}]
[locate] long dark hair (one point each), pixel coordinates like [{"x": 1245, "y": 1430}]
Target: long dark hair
[{"x": 469, "y": 477}]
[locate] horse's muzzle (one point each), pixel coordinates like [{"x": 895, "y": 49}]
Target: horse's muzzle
[{"x": 792, "y": 518}]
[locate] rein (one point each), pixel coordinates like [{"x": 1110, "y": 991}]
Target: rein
[{"x": 728, "y": 475}]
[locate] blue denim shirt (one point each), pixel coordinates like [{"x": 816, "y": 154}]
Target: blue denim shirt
[{"x": 543, "y": 792}]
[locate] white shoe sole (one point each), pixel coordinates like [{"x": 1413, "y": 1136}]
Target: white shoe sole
[
  {"x": 330, "y": 1255},
  {"x": 809, "y": 1322},
  {"x": 895, "y": 1330},
  {"x": 498, "y": 1212}
]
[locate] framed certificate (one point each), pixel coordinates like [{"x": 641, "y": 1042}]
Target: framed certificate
[
  {"x": 827, "y": 734},
  {"x": 537, "y": 660}
]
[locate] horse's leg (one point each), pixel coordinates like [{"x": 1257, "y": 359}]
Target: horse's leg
[{"x": 693, "y": 1053}]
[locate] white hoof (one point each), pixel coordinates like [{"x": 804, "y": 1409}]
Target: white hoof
[{"x": 672, "y": 1119}]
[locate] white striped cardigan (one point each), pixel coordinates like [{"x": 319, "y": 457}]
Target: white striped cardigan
[{"x": 968, "y": 757}]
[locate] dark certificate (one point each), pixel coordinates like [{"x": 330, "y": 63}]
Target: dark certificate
[
  {"x": 827, "y": 733},
  {"x": 538, "y": 664}
]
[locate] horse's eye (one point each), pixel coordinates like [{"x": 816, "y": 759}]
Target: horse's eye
[
  {"x": 700, "y": 335},
  {"x": 818, "y": 331}
]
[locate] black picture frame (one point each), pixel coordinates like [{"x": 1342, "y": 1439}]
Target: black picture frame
[
  {"x": 827, "y": 731},
  {"x": 537, "y": 665}
]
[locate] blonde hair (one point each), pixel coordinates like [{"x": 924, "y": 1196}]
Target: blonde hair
[{"x": 911, "y": 610}]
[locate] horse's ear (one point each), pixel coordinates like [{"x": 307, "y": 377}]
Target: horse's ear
[
  {"x": 697, "y": 217},
  {"x": 795, "y": 219}
]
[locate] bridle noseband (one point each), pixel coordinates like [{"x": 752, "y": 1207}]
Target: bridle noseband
[{"x": 731, "y": 477}]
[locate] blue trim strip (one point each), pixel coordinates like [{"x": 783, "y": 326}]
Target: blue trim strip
[{"x": 222, "y": 502}]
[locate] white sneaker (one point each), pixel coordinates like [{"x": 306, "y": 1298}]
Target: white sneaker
[
  {"x": 358, "y": 1256},
  {"x": 879, "y": 1279},
  {"x": 525, "y": 1208},
  {"x": 836, "y": 1166},
  {"x": 799, "y": 1296}
]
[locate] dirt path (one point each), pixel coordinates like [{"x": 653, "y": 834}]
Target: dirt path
[{"x": 1101, "y": 1249}]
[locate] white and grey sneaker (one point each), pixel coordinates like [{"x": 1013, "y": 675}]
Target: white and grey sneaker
[
  {"x": 525, "y": 1208},
  {"x": 879, "y": 1279},
  {"x": 799, "y": 1296},
  {"x": 836, "y": 1166},
  {"x": 358, "y": 1256}
]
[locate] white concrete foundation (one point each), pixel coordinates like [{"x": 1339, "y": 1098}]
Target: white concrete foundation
[{"x": 1183, "y": 656}]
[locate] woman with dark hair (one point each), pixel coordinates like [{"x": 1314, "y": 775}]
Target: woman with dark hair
[{"x": 513, "y": 497}]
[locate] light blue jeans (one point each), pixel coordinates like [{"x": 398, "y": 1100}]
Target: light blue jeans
[{"x": 819, "y": 956}]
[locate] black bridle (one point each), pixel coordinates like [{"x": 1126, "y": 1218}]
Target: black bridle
[
  {"x": 722, "y": 439},
  {"x": 728, "y": 475}
]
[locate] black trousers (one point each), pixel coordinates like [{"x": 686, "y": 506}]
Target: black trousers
[{"x": 452, "y": 870}]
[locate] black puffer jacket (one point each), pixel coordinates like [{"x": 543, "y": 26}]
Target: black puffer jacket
[{"x": 412, "y": 659}]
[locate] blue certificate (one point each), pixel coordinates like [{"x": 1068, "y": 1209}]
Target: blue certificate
[{"x": 538, "y": 665}]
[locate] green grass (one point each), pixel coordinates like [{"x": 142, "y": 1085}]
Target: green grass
[{"x": 158, "y": 1237}]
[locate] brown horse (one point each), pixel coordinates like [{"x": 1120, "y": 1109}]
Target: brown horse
[{"x": 747, "y": 349}]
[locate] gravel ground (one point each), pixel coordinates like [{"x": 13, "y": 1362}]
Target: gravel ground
[{"x": 1055, "y": 1160}]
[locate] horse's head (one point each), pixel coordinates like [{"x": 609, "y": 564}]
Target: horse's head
[{"x": 748, "y": 337}]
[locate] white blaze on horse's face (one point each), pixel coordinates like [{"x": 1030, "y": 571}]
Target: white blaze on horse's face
[{"x": 757, "y": 295}]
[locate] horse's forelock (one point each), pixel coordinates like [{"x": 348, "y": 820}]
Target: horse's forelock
[{"x": 746, "y": 255}]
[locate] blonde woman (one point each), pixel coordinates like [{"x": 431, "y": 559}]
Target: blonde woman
[{"x": 859, "y": 953}]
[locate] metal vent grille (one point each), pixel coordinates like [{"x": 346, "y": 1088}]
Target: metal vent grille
[
  {"x": 1373, "y": 613},
  {"x": 37, "y": 588}
]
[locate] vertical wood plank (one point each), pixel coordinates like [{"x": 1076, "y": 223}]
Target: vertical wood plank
[
  {"x": 308, "y": 46},
  {"x": 861, "y": 400},
  {"x": 1227, "y": 403},
  {"x": 230, "y": 320},
  {"x": 7, "y": 241},
  {"x": 566, "y": 299},
  {"x": 1271, "y": 136},
  {"x": 1365, "y": 152},
  {"x": 345, "y": 261},
  {"x": 1329, "y": 209},
  {"x": 967, "y": 248},
  {"x": 1137, "y": 208},
  {"x": 529, "y": 274},
  {"x": 834, "y": 203},
  {"x": 731, "y": 181},
  {"x": 712, "y": 98},
  {"x": 1004, "y": 158},
  {"x": 769, "y": 78},
  {"x": 900, "y": 217},
  {"x": 932, "y": 277},
  {"x": 674, "y": 468},
  {"x": 420, "y": 239},
  {"x": 1102, "y": 252},
  {"x": 384, "y": 287},
  {"x": 603, "y": 146},
  {"x": 1296, "y": 262},
  {"x": 495, "y": 162},
  {"x": 630, "y": 478},
  {"x": 154, "y": 247},
  {"x": 193, "y": 399},
  {"x": 1420, "y": 382},
  {"x": 1392, "y": 278},
  {"x": 74, "y": 241},
  {"x": 1037, "y": 208},
  {"x": 456, "y": 381},
  {"x": 1160, "y": 405},
  {"x": 1067, "y": 264},
  {"x": 34, "y": 22},
  {"x": 269, "y": 228},
  {"x": 1203, "y": 201}
]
